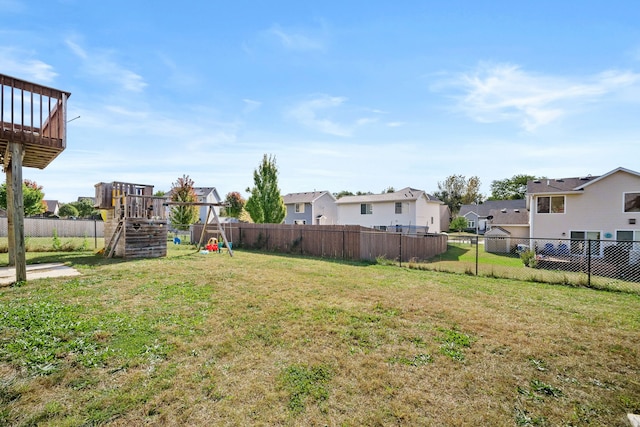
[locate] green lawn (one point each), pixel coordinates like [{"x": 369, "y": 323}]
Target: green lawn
[{"x": 259, "y": 339}]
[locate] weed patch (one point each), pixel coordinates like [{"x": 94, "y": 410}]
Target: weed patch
[
  {"x": 305, "y": 383},
  {"x": 417, "y": 360},
  {"x": 453, "y": 343}
]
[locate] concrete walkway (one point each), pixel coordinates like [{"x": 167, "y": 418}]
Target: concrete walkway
[{"x": 37, "y": 271}]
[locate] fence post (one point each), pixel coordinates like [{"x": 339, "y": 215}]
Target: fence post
[
  {"x": 477, "y": 249},
  {"x": 589, "y": 263}
]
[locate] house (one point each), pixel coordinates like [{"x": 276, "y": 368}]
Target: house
[
  {"x": 52, "y": 208},
  {"x": 314, "y": 207},
  {"x": 601, "y": 208},
  {"x": 207, "y": 195},
  {"x": 477, "y": 214},
  {"x": 203, "y": 195},
  {"x": 506, "y": 228},
  {"x": 406, "y": 210}
]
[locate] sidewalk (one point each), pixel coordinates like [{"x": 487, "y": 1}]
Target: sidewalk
[{"x": 37, "y": 271}]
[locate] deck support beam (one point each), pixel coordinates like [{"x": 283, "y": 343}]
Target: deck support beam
[{"x": 15, "y": 210}]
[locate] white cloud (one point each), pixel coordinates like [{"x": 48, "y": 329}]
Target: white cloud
[
  {"x": 505, "y": 92},
  {"x": 101, "y": 65},
  {"x": 251, "y": 105},
  {"x": 395, "y": 124},
  {"x": 308, "y": 113},
  {"x": 17, "y": 63},
  {"x": 296, "y": 40}
]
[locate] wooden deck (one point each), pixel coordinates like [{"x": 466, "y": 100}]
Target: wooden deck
[{"x": 34, "y": 116}]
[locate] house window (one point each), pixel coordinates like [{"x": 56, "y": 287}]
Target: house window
[
  {"x": 300, "y": 222},
  {"x": 632, "y": 202},
  {"x": 471, "y": 223},
  {"x": 299, "y": 207},
  {"x": 579, "y": 244},
  {"x": 625, "y": 237},
  {"x": 550, "y": 204},
  {"x": 366, "y": 208},
  {"x": 398, "y": 207}
]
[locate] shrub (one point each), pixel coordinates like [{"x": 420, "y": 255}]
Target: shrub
[{"x": 529, "y": 259}]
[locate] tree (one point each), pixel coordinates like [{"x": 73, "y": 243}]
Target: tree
[
  {"x": 456, "y": 191},
  {"x": 459, "y": 223},
  {"x": 32, "y": 196},
  {"x": 85, "y": 208},
  {"x": 68, "y": 210},
  {"x": 343, "y": 193},
  {"x": 511, "y": 188},
  {"x": 265, "y": 204},
  {"x": 182, "y": 216},
  {"x": 235, "y": 204},
  {"x": 160, "y": 193}
]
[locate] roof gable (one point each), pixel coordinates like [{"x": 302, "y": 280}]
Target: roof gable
[
  {"x": 568, "y": 185},
  {"x": 306, "y": 197},
  {"x": 608, "y": 174}
]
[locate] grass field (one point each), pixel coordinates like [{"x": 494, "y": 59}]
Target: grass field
[{"x": 259, "y": 339}]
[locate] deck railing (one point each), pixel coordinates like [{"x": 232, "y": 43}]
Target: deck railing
[
  {"x": 28, "y": 108},
  {"x": 140, "y": 207}
]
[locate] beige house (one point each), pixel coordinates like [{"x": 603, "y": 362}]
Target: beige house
[
  {"x": 599, "y": 208},
  {"x": 506, "y": 229}
]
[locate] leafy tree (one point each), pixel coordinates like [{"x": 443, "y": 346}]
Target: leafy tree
[
  {"x": 511, "y": 188},
  {"x": 32, "y": 196},
  {"x": 265, "y": 204},
  {"x": 181, "y": 217},
  {"x": 235, "y": 204},
  {"x": 68, "y": 210},
  {"x": 459, "y": 223},
  {"x": 389, "y": 190},
  {"x": 244, "y": 216},
  {"x": 160, "y": 193},
  {"x": 456, "y": 191},
  {"x": 343, "y": 193},
  {"x": 85, "y": 208}
]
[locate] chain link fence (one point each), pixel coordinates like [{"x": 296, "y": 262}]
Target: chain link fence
[{"x": 602, "y": 264}]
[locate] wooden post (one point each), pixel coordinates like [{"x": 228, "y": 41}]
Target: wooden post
[
  {"x": 11, "y": 237},
  {"x": 15, "y": 168}
]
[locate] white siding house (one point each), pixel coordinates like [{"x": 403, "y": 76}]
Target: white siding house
[
  {"x": 408, "y": 210},
  {"x": 312, "y": 207}
]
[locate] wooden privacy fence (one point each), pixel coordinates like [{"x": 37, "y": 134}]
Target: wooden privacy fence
[
  {"x": 350, "y": 242},
  {"x": 43, "y": 227}
]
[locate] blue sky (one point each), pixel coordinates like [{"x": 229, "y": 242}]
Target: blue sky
[{"x": 349, "y": 95}]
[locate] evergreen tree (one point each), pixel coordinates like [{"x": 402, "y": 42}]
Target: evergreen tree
[
  {"x": 181, "y": 217},
  {"x": 265, "y": 205}
]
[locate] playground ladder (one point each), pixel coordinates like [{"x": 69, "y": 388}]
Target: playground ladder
[{"x": 111, "y": 247}]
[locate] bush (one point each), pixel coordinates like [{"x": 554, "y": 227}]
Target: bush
[{"x": 529, "y": 259}]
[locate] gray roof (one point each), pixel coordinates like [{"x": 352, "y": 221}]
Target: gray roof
[
  {"x": 203, "y": 191},
  {"x": 306, "y": 197},
  {"x": 560, "y": 185},
  {"x": 404, "y": 194},
  {"x": 483, "y": 209},
  {"x": 518, "y": 216}
]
